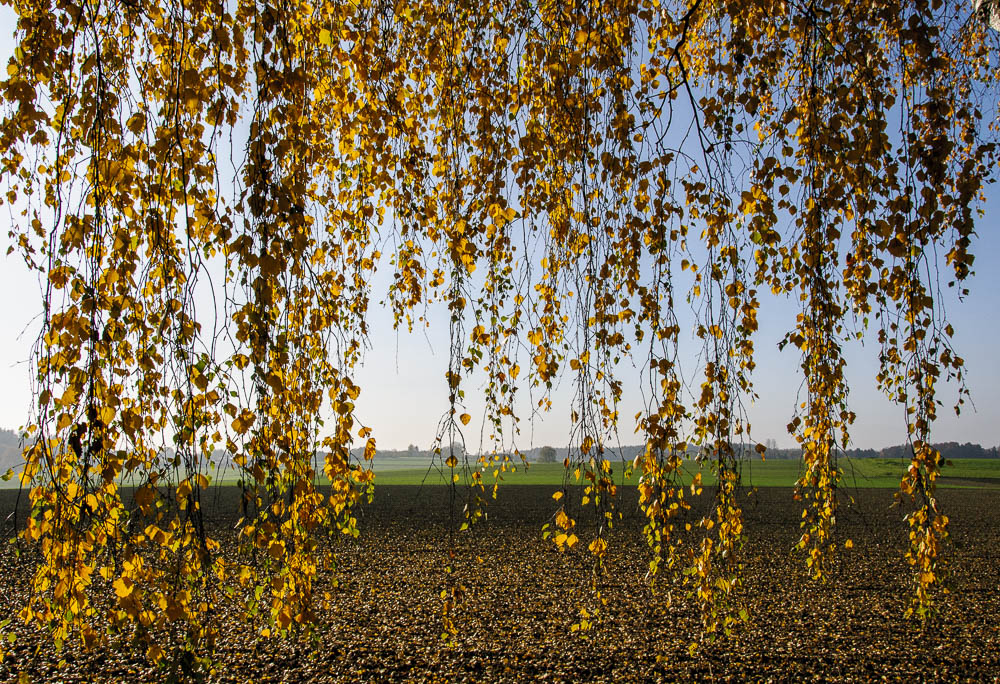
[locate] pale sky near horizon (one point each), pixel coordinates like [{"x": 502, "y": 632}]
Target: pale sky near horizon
[{"x": 403, "y": 382}]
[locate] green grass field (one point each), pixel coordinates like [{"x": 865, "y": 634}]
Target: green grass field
[
  {"x": 861, "y": 473},
  {"x": 857, "y": 473}
]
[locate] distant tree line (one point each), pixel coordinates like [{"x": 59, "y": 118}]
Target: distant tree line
[
  {"x": 411, "y": 451},
  {"x": 10, "y": 449},
  {"x": 9, "y": 437},
  {"x": 949, "y": 450},
  {"x": 549, "y": 454}
]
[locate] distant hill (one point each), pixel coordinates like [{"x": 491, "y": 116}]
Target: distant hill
[{"x": 10, "y": 450}]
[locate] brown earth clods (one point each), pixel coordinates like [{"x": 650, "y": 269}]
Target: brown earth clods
[{"x": 522, "y": 596}]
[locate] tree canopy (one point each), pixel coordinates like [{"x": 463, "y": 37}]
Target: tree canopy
[{"x": 563, "y": 176}]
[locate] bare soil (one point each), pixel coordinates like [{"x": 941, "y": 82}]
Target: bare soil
[{"x": 522, "y": 597}]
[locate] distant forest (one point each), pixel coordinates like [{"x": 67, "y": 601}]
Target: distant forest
[
  {"x": 10, "y": 452},
  {"x": 902, "y": 451}
]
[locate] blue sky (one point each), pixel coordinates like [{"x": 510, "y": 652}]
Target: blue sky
[{"x": 404, "y": 391}]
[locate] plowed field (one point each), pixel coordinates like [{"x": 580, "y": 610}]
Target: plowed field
[{"x": 523, "y": 596}]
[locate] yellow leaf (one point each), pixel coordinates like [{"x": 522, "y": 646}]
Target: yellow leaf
[
  {"x": 563, "y": 520},
  {"x": 557, "y": 496},
  {"x": 90, "y": 637},
  {"x": 598, "y": 547},
  {"x": 465, "y": 418},
  {"x": 284, "y": 619},
  {"x": 325, "y": 38},
  {"x": 123, "y": 587}
]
